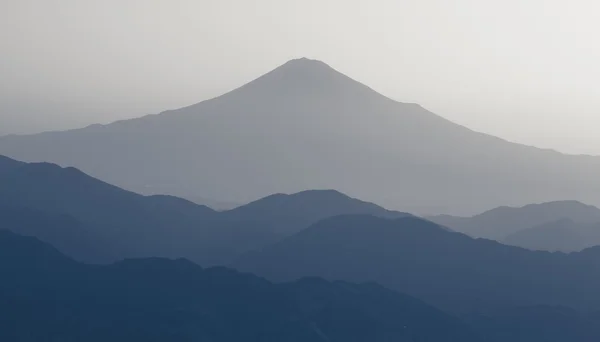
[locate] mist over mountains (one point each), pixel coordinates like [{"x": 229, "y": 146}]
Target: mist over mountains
[
  {"x": 293, "y": 213},
  {"x": 498, "y": 223},
  {"x": 566, "y": 226},
  {"x": 126, "y": 224},
  {"x": 480, "y": 290},
  {"x": 170, "y": 172},
  {"x": 306, "y": 126},
  {"x": 102, "y": 236},
  {"x": 93, "y": 221},
  {"x": 562, "y": 235}
]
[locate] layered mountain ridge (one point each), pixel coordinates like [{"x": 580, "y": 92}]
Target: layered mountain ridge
[
  {"x": 566, "y": 226},
  {"x": 305, "y": 126},
  {"x": 93, "y": 221},
  {"x": 447, "y": 269},
  {"x": 47, "y": 296}
]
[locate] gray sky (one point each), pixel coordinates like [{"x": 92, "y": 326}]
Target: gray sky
[{"x": 526, "y": 71}]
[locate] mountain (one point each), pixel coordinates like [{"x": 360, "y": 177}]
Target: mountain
[
  {"x": 96, "y": 222},
  {"x": 304, "y": 126},
  {"x": 46, "y": 296},
  {"x": 8, "y": 165},
  {"x": 288, "y": 214},
  {"x": 62, "y": 231},
  {"x": 563, "y": 235},
  {"x": 501, "y": 222},
  {"x": 449, "y": 270},
  {"x": 205, "y": 202},
  {"x": 213, "y": 204}
]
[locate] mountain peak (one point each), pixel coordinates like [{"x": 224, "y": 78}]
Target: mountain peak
[
  {"x": 304, "y": 69},
  {"x": 303, "y": 77},
  {"x": 304, "y": 62}
]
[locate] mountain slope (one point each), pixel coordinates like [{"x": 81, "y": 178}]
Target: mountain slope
[
  {"x": 68, "y": 208},
  {"x": 449, "y": 270},
  {"x": 288, "y": 214},
  {"x": 165, "y": 300},
  {"x": 563, "y": 235},
  {"x": 62, "y": 231},
  {"x": 93, "y": 221},
  {"x": 306, "y": 126},
  {"x": 501, "y": 222}
]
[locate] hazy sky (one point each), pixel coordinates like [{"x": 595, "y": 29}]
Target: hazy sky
[{"x": 525, "y": 70}]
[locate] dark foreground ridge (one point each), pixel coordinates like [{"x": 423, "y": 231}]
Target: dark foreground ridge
[{"x": 45, "y": 296}]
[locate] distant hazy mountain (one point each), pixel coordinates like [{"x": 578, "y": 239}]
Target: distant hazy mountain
[
  {"x": 306, "y": 126},
  {"x": 45, "y": 296},
  {"x": 563, "y": 235},
  {"x": 289, "y": 214},
  {"x": 213, "y": 204},
  {"x": 66, "y": 207},
  {"x": 449, "y": 270},
  {"x": 501, "y": 222}
]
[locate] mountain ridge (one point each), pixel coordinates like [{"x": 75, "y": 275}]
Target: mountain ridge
[
  {"x": 97, "y": 222},
  {"x": 124, "y": 223},
  {"x": 449, "y": 270},
  {"x": 499, "y": 223},
  {"x": 47, "y": 296},
  {"x": 290, "y": 213},
  {"x": 564, "y": 235}
]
